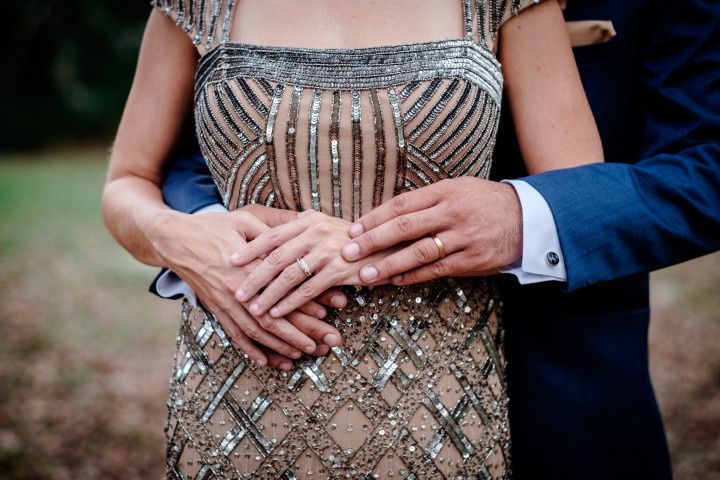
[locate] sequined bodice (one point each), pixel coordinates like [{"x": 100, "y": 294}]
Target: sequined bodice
[{"x": 343, "y": 130}]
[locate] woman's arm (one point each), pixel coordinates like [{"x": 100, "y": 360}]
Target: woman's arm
[
  {"x": 479, "y": 221},
  {"x": 554, "y": 124},
  {"x": 159, "y": 100}
]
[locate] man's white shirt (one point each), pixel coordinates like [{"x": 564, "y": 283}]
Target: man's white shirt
[{"x": 541, "y": 260}]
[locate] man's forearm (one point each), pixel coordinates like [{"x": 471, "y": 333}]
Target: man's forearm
[{"x": 137, "y": 217}]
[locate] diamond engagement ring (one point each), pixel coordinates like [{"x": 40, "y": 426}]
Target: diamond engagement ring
[{"x": 304, "y": 266}]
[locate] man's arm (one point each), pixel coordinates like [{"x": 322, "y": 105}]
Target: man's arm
[{"x": 615, "y": 220}]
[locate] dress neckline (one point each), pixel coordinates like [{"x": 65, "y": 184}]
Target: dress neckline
[{"x": 364, "y": 67}]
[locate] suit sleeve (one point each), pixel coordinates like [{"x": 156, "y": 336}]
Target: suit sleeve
[
  {"x": 188, "y": 185},
  {"x": 618, "y": 219}
]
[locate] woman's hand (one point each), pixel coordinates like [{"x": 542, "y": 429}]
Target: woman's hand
[
  {"x": 315, "y": 237},
  {"x": 197, "y": 249}
]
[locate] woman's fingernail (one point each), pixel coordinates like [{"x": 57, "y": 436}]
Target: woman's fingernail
[
  {"x": 235, "y": 257},
  {"x": 255, "y": 308},
  {"x": 261, "y": 361},
  {"x": 356, "y": 229},
  {"x": 369, "y": 273},
  {"x": 332, "y": 340},
  {"x": 351, "y": 251},
  {"x": 240, "y": 294},
  {"x": 397, "y": 278},
  {"x": 275, "y": 312},
  {"x": 295, "y": 354},
  {"x": 321, "y": 312},
  {"x": 309, "y": 348},
  {"x": 285, "y": 366},
  {"x": 337, "y": 301}
]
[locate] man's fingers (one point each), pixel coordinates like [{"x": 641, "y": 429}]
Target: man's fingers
[
  {"x": 266, "y": 242},
  {"x": 446, "y": 267},
  {"x": 272, "y": 217},
  {"x": 396, "y": 230},
  {"x": 332, "y": 298},
  {"x": 403, "y": 204},
  {"x": 276, "y": 334},
  {"x": 314, "y": 309},
  {"x": 248, "y": 225},
  {"x": 307, "y": 290},
  {"x": 317, "y": 329},
  {"x": 240, "y": 340},
  {"x": 276, "y": 360},
  {"x": 419, "y": 253}
]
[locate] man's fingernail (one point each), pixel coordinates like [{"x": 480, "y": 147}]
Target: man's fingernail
[
  {"x": 397, "y": 278},
  {"x": 309, "y": 348},
  {"x": 274, "y": 312},
  {"x": 351, "y": 251},
  {"x": 295, "y": 354},
  {"x": 332, "y": 339},
  {"x": 255, "y": 308},
  {"x": 356, "y": 229},
  {"x": 337, "y": 301},
  {"x": 321, "y": 312},
  {"x": 285, "y": 366},
  {"x": 240, "y": 294},
  {"x": 261, "y": 361},
  {"x": 369, "y": 273},
  {"x": 235, "y": 257}
]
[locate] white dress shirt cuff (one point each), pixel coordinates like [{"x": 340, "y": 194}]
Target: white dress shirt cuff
[
  {"x": 542, "y": 259},
  {"x": 168, "y": 284}
]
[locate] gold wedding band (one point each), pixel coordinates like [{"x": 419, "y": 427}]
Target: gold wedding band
[{"x": 440, "y": 246}]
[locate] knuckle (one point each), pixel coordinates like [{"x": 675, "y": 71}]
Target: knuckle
[
  {"x": 253, "y": 332},
  {"x": 403, "y": 225},
  {"x": 370, "y": 242},
  {"x": 398, "y": 203},
  {"x": 438, "y": 269},
  {"x": 267, "y": 324},
  {"x": 306, "y": 291},
  {"x": 422, "y": 254},
  {"x": 288, "y": 276},
  {"x": 454, "y": 212},
  {"x": 274, "y": 258}
]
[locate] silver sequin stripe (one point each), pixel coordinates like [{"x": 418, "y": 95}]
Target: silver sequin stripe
[
  {"x": 314, "y": 115},
  {"x": 372, "y": 67},
  {"x": 335, "y": 152}
]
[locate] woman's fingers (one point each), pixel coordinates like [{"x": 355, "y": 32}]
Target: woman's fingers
[
  {"x": 307, "y": 290},
  {"x": 321, "y": 331},
  {"x": 288, "y": 279},
  {"x": 277, "y": 261},
  {"x": 394, "y": 231},
  {"x": 418, "y": 254},
  {"x": 266, "y": 242}
]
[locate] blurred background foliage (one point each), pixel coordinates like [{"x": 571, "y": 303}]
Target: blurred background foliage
[{"x": 69, "y": 69}]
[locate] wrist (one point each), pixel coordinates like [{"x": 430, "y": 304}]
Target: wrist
[
  {"x": 512, "y": 224},
  {"x": 165, "y": 233}
]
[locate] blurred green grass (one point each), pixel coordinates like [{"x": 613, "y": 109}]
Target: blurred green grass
[{"x": 85, "y": 351}]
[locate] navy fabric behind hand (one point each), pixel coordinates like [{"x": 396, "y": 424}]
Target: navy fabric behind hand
[{"x": 188, "y": 185}]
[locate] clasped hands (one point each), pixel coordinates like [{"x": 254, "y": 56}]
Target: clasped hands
[{"x": 478, "y": 224}]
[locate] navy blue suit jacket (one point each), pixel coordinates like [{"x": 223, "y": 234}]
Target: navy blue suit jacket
[{"x": 582, "y": 405}]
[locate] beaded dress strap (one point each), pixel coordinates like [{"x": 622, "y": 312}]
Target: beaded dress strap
[{"x": 207, "y": 22}]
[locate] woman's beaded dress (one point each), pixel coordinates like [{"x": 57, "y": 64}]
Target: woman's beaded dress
[{"x": 417, "y": 391}]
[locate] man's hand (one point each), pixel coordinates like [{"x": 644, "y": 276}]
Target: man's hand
[
  {"x": 198, "y": 247},
  {"x": 479, "y": 223}
]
